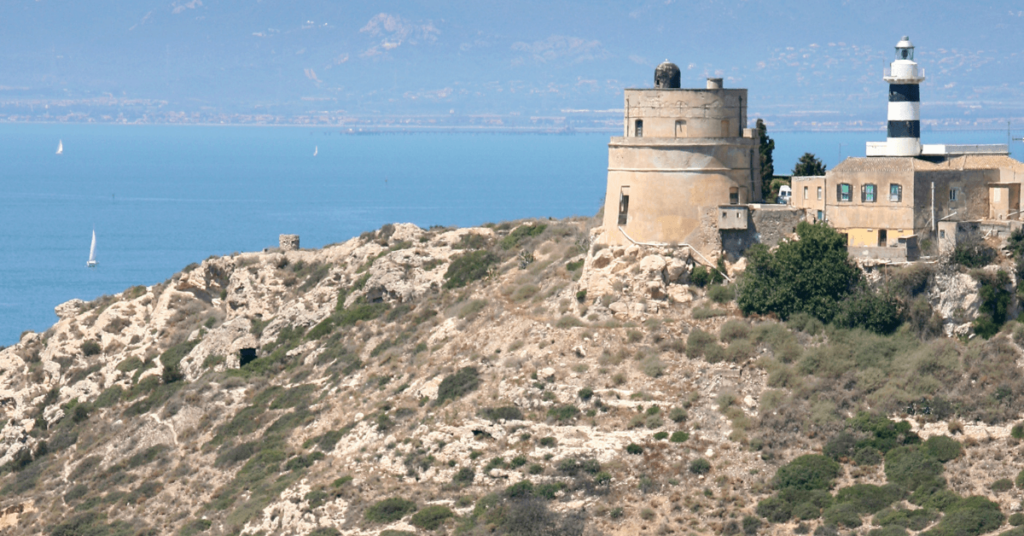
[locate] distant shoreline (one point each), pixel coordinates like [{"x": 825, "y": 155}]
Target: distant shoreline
[{"x": 407, "y": 130}]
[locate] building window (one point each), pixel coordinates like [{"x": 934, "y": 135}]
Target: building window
[
  {"x": 680, "y": 128},
  {"x": 725, "y": 128},
  {"x": 821, "y": 215},
  {"x": 623, "y": 205},
  {"x": 805, "y": 192},
  {"x": 895, "y": 193},
  {"x": 638, "y": 128},
  {"x": 843, "y": 192},
  {"x": 868, "y": 193},
  {"x": 954, "y": 193},
  {"x": 819, "y": 193},
  {"x": 734, "y": 196}
]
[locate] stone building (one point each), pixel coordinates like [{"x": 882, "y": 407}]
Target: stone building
[
  {"x": 904, "y": 192},
  {"x": 683, "y": 155}
]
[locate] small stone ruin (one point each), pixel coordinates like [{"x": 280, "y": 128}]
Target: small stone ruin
[{"x": 289, "y": 242}]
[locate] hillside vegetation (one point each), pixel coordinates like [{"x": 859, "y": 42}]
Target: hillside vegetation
[{"x": 523, "y": 379}]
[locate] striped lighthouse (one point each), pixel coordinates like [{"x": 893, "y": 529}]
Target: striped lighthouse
[{"x": 904, "y": 78}]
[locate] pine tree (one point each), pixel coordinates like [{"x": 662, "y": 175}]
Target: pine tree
[
  {"x": 808, "y": 166},
  {"x": 767, "y": 165}
]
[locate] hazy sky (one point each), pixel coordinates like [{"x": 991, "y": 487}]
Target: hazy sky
[{"x": 801, "y": 60}]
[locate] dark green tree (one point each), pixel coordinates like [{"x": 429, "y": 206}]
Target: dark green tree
[
  {"x": 767, "y": 165},
  {"x": 811, "y": 275},
  {"x": 808, "y": 166}
]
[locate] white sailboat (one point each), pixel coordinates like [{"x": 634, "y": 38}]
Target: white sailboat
[
  {"x": 315, "y": 149},
  {"x": 92, "y": 252},
  {"x": 60, "y": 147}
]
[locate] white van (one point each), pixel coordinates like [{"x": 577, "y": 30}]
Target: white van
[{"x": 785, "y": 195}]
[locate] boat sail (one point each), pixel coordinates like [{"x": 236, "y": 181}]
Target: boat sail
[
  {"x": 92, "y": 252},
  {"x": 60, "y": 147},
  {"x": 315, "y": 150}
]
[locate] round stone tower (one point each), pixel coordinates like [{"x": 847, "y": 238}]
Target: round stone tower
[
  {"x": 666, "y": 76},
  {"x": 904, "y": 128}
]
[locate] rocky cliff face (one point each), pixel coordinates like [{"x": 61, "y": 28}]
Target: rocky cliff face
[{"x": 470, "y": 376}]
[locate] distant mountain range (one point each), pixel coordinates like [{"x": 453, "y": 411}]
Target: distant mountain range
[{"x": 528, "y": 64}]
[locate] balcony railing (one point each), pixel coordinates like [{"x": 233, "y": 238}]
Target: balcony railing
[{"x": 887, "y": 72}]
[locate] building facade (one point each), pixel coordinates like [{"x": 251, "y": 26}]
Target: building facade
[
  {"x": 895, "y": 198},
  {"x": 683, "y": 154}
]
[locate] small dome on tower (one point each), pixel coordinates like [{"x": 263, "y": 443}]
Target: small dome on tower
[{"x": 666, "y": 76}]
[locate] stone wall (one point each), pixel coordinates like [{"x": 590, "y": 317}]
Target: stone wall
[
  {"x": 289, "y": 242},
  {"x": 767, "y": 224}
]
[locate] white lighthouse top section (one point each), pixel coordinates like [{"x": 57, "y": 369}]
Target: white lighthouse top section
[{"x": 904, "y": 70}]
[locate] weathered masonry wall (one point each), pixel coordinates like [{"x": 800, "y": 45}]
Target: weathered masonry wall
[
  {"x": 685, "y": 113},
  {"x": 767, "y": 224}
]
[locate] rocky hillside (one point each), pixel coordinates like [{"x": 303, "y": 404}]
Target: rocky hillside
[{"x": 509, "y": 379}]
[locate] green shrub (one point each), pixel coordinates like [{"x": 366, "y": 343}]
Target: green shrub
[
  {"x": 751, "y": 525},
  {"x": 870, "y": 310},
  {"x": 457, "y": 385},
  {"x": 973, "y": 255},
  {"x": 517, "y": 462},
  {"x": 585, "y": 394},
  {"x": 574, "y": 265},
  {"x": 469, "y": 267},
  {"x": 195, "y": 527},
  {"x": 236, "y": 454},
  {"x": 331, "y": 531},
  {"x": 633, "y": 448},
  {"x": 519, "y": 233},
  {"x": 547, "y": 442},
  {"x": 911, "y": 519},
  {"x": 1001, "y": 485},
  {"x": 911, "y": 466},
  {"x": 679, "y": 436},
  {"x": 734, "y": 329},
  {"x": 970, "y": 516},
  {"x": 508, "y": 413},
  {"x": 1016, "y": 519},
  {"x": 697, "y": 343},
  {"x": 806, "y": 511},
  {"x": 841, "y": 446},
  {"x": 602, "y": 478},
  {"x": 652, "y": 366},
  {"x": 808, "y": 472},
  {"x": 520, "y": 490},
  {"x": 389, "y": 510},
  {"x": 173, "y": 355},
  {"x": 90, "y": 348},
  {"x": 810, "y": 275},
  {"x": 1019, "y": 480},
  {"x": 464, "y": 476},
  {"x": 431, "y": 517},
  {"x": 677, "y": 415},
  {"x": 943, "y": 448},
  {"x": 995, "y": 301},
  {"x": 721, "y": 294},
  {"x": 700, "y": 466},
  {"x": 775, "y": 509},
  {"x": 884, "y": 433},
  {"x": 1017, "y": 432},
  {"x": 703, "y": 313},
  {"x": 867, "y": 456},
  {"x": 563, "y": 413},
  {"x": 700, "y": 276},
  {"x": 660, "y": 436},
  {"x": 868, "y": 498},
  {"x": 844, "y": 514}
]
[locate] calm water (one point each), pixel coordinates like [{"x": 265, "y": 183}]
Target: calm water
[{"x": 161, "y": 197}]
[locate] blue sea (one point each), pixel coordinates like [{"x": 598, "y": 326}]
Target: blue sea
[{"x": 161, "y": 197}]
